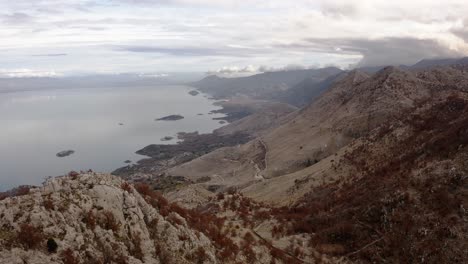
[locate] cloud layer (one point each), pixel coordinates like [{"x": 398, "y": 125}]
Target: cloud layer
[{"x": 224, "y": 36}]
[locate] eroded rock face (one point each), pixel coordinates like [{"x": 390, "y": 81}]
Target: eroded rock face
[{"x": 94, "y": 218}]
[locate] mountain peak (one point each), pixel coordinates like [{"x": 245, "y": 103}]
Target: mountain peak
[{"x": 357, "y": 76}]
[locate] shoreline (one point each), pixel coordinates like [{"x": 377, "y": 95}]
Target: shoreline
[{"x": 191, "y": 145}]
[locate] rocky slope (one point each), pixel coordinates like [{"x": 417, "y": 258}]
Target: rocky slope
[
  {"x": 388, "y": 182},
  {"x": 264, "y": 117},
  {"x": 372, "y": 171},
  {"x": 303, "y": 93},
  {"x": 313, "y": 138},
  {"x": 99, "y": 218},
  {"x": 400, "y": 193},
  {"x": 93, "y": 218}
]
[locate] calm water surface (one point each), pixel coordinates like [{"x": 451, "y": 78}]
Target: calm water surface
[{"x": 34, "y": 126}]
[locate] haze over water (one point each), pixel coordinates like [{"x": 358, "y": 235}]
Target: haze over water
[{"x": 35, "y": 125}]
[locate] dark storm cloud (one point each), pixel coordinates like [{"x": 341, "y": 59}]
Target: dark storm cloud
[
  {"x": 400, "y": 51},
  {"x": 384, "y": 51}
]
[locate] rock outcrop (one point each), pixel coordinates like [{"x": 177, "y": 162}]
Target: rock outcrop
[{"x": 94, "y": 218}]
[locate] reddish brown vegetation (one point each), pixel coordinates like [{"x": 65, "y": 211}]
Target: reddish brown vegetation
[
  {"x": 90, "y": 220},
  {"x": 126, "y": 187},
  {"x": 19, "y": 191},
  {"x": 73, "y": 174},
  {"x": 48, "y": 203},
  {"x": 386, "y": 213},
  {"x": 68, "y": 257},
  {"x": 109, "y": 222},
  {"x": 135, "y": 249},
  {"x": 208, "y": 224},
  {"x": 29, "y": 237}
]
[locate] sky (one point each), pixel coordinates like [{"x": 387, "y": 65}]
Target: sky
[{"x": 69, "y": 37}]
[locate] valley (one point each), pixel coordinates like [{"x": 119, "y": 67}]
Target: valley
[{"x": 371, "y": 170}]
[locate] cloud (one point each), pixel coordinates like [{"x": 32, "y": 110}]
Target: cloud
[
  {"x": 50, "y": 55},
  {"x": 27, "y": 73},
  {"x": 252, "y": 69},
  {"x": 461, "y": 31},
  {"x": 383, "y": 51},
  {"x": 153, "y": 75},
  {"x": 337, "y": 10},
  {"x": 191, "y": 51},
  {"x": 234, "y": 70},
  {"x": 202, "y": 35},
  {"x": 289, "y": 67},
  {"x": 394, "y": 51},
  {"x": 17, "y": 18}
]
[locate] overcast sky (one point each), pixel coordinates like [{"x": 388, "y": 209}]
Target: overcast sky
[{"x": 55, "y": 37}]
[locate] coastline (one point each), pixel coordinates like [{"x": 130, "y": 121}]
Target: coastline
[{"x": 191, "y": 145}]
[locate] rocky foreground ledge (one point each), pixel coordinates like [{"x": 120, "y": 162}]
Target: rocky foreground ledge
[
  {"x": 99, "y": 218},
  {"x": 94, "y": 218}
]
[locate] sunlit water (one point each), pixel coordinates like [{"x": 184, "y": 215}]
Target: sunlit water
[{"x": 34, "y": 126}]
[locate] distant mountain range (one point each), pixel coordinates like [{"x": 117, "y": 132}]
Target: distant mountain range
[
  {"x": 422, "y": 64},
  {"x": 372, "y": 169},
  {"x": 262, "y": 85},
  {"x": 295, "y": 87},
  {"x": 365, "y": 165}
]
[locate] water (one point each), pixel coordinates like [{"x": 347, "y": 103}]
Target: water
[{"x": 35, "y": 126}]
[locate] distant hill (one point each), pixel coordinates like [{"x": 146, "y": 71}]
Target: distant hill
[
  {"x": 422, "y": 64},
  {"x": 262, "y": 85},
  {"x": 366, "y": 165},
  {"x": 306, "y": 91}
]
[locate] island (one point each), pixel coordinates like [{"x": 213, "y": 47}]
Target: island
[
  {"x": 194, "y": 93},
  {"x": 170, "y": 118},
  {"x": 65, "y": 153},
  {"x": 167, "y": 138}
]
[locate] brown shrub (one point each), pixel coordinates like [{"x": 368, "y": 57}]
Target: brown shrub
[
  {"x": 73, "y": 175},
  {"x": 3, "y": 196},
  {"x": 29, "y": 237},
  {"x": 90, "y": 219},
  {"x": 208, "y": 224},
  {"x": 220, "y": 196},
  {"x": 126, "y": 187},
  {"x": 249, "y": 254},
  {"x": 153, "y": 228},
  {"x": 48, "y": 203},
  {"x": 143, "y": 189},
  {"x": 109, "y": 222},
  {"x": 68, "y": 257},
  {"x": 248, "y": 238},
  {"x": 21, "y": 190},
  {"x": 200, "y": 255},
  {"x": 261, "y": 215},
  {"x": 135, "y": 250}
]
